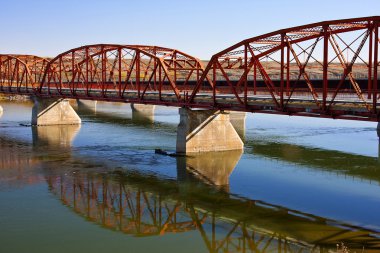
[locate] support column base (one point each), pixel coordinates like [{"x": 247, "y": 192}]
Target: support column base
[
  {"x": 206, "y": 131},
  {"x": 87, "y": 104},
  {"x": 47, "y": 112},
  {"x": 144, "y": 113},
  {"x": 238, "y": 121}
]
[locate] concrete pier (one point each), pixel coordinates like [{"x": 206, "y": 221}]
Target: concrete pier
[
  {"x": 87, "y": 104},
  {"x": 53, "y": 112},
  {"x": 206, "y": 131},
  {"x": 212, "y": 168},
  {"x": 143, "y": 112},
  {"x": 238, "y": 121}
]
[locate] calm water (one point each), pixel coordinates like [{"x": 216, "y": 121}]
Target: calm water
[{"x": 301, "y": 184}]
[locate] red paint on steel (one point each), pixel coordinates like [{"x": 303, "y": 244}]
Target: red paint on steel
[{"x": 329, "y": 69}]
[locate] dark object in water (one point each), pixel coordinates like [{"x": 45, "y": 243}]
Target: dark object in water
[{"x": 160, "y": 151}]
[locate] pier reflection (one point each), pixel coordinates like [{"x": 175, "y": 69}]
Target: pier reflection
[
  {"x": 60, "y": 136},
  {"x": 146, "y": 205},
  {"x": 213, "y": 168},
  {"x": 21, "y": 164}
]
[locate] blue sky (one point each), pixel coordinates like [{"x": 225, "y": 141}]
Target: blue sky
[{"x": 200, "y": 28}]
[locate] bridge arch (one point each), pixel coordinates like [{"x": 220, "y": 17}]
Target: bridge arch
[
  {"x": 110, "y": 71},
  {"x": 325, "y": 61},
  {"x": 21, "y": 73}
]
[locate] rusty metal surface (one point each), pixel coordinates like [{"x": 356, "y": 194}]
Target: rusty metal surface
[{"x": 327, "y": 69}]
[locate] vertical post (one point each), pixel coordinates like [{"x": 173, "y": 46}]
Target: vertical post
[
  {"x": 72, "y": 73},
  {"x": 370, "y": 44},
  {"x": 138, "y": 73},
  {"x": 376, "y": 64},
  {"x": 325, "y": 65},
  {"x": 254, "y": 78},
  {"x": 26, "y": 80},
  {"x": 246, "y": 75},
  {"x": 60, "y": 76},
  {"x": 87, "y": 60},
  {"x": 103, "y": 73},
  {"x": 119, "y": 56},
  {"x": 17, "y": 77},
  {"x": 160, "y": 81},
  {"x": 214, "y": 82},
  {"x": 1, "y": 77},
  {"x": 155, "y": 76},
  {"x": 175, "y": 68},
  {"x": 287, "y": 71},
  {"x": 282, "y": 72},
  {"x": 155, "y": 70}
]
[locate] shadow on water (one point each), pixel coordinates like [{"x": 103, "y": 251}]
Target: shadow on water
[
  {"x": 142, "y": 204},
  {"x": 136, "y": 119},
  {"x": 359, "y": 166}
]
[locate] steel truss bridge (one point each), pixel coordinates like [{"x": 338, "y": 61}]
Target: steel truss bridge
[{"x": 328, "y": 69}]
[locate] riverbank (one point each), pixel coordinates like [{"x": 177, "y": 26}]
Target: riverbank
[{"x": 14, "y": 97}]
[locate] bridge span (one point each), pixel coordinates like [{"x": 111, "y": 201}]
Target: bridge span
[{"x": 328, "y": 69}]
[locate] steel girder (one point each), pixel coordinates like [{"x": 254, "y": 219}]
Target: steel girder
[
  {"x": 107, "y": 71},
  {"x": 325, "y": 69},
  {"x": 21, "y": 72},
  {"x": 323, "y": 62}
]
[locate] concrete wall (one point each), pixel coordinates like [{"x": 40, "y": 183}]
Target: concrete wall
[
  {"x": 205, "y": 131},
  {"x": 53, "y": 112},
  {"x": 87, "y": 104},
  {"x": 238, "y": 121},
  {"x": 143, "y": 113}
]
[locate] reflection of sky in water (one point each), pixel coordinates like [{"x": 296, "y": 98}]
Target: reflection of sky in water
[{"x": 110, "y": 137}]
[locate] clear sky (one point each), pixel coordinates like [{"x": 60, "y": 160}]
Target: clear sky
[{"x": 200, "y": 28}]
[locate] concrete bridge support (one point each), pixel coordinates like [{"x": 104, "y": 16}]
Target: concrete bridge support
[
  {"x": 87, "y": 104},
  {"x": 143, "y": 112},
  {"x": 1, "y": 111},
  {"x": 238, "y": 121},
  {"x": 206, "y": 131},
  {"x": 53, "y": 112}
]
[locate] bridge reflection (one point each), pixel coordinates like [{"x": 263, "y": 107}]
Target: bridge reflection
[{"x": 146, "y": 205}]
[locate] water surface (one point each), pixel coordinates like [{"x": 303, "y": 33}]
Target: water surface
[{"x": 301, "y": 184}]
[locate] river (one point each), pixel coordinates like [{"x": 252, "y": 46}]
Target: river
[{"x": 301, "y": 184}]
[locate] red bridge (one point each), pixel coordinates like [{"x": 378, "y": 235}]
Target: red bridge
[{"x": 328, "y": 69}]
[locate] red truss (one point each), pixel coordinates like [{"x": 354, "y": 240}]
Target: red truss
[
  {"x": 327, "y": 69},
  {"x": 20, "y": 72}
]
